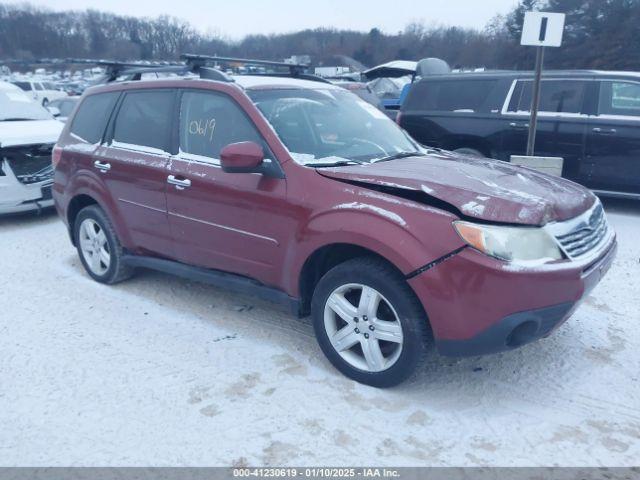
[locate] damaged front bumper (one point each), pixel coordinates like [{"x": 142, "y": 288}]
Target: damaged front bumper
[
  {"x": 478, "y": 305},
  {"x": 26, "y": 178}
]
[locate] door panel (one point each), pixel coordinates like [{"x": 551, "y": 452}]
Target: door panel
[
  {"x": 228, "y": 221},
  {"x": 134, "y": 161},
  {"x": 137, "y": 182},
  {"x": 613, "y": 139},
  {"x": 562, "y": 123}
]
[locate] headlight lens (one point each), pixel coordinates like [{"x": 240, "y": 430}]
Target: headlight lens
[{"x": 512, "y": 244}]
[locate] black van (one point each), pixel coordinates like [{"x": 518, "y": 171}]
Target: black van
[{"x": 589, "y": 118}]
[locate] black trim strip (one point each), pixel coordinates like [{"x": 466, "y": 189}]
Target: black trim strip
[
  {"x": 218, "y": 278},
  {"x": 438, "y": 261}
]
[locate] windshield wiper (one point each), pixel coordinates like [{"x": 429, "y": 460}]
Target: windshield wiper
[
  {"x": 341, "y": 163},
  {"x": 398, "y": 155}
]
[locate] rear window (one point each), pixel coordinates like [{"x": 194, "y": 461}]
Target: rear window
[
  {"x": 462, "y": 96},
  {"x": 556, "y": 96},
  {"x": 144, "y": 119},
  {"x": 92, "y": 116}
]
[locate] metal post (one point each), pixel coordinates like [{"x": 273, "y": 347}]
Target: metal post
[{"x": 535, "y": 101}]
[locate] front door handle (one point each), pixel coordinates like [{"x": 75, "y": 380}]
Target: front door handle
[
  {"x": 519, "y": 126},
  {"x": 103, "y": 167},
  {"x": 605, "y": 131},
  {"x": 180, "y": 183}
]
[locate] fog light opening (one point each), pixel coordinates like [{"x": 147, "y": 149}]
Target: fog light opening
[{"x": 523, "y": 333}]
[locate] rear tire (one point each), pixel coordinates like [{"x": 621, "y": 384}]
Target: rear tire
[
  {"x": 381, "y": 334},
  {"x": 98, "y": 246}
]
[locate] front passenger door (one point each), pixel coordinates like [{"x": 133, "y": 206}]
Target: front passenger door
[{"x": 226, "y": 221}]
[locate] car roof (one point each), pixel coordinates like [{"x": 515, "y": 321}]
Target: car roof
[
  {"x": 244, "y": 82},
  {"x": 255, "y": 82},
  {"x": 497, "y": 74}
]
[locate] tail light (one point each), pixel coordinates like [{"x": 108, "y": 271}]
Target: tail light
[
  {"x": 398, "y": 117},
  {"x": 56, "y": 155}
]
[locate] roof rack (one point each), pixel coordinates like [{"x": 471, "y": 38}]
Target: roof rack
[
  {"x": 115, "y": 69},
  {"x": 206, "y": 66},
  {"x": 197, "y": 63}
]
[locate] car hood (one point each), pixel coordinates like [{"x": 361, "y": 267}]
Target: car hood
[
  {"x": 489, "y": 190},
  {"x": 29, "y": 132}
]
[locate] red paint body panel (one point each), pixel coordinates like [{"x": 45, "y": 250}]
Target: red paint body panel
[
  {"x": 489, "y": 190},
  {"x": 470, "y": 292},
  {"x": 267, "y": 228}
]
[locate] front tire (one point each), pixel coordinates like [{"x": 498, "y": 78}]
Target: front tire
[
  {"x": 369, "y": 323},
  {"x": 98, "y": 246}
]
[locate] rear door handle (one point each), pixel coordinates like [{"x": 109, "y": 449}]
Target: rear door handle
[
  {"x": 103, "y": 167},
  {"x": 180, "y": 183},
  {"x": 519, "y": 126},
  {"x": 605, "y": 131}
]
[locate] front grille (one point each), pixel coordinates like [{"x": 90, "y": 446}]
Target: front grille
[
  {"x": 30, "y": 164},
  {"x": 586, "y": 235}
]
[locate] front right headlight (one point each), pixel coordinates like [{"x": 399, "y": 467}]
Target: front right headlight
[{"x": 511, "y": 244}]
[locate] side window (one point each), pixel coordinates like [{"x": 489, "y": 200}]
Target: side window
[
  {"x": 619, "y": 98},
  {"x": 26, "y": 86},
  {"x": 91, "y": 118},
  {"x": 38, "y": 86},
  {"x": 211, "y": 121},
  {"x": 556, "y": 96},
  {"x": 462, "y": 96},
  {"x": 144, "y": 119}
]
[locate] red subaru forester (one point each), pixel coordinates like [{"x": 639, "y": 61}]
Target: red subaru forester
[{"x": 300, "y": 192}]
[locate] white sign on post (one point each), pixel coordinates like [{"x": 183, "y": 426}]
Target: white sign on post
[{"x": 543, "y": 29}]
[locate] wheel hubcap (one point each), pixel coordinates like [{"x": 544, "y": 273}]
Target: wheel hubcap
[
  {"x": 94, "y": 247},
  {"x": 363, "y": 327}
]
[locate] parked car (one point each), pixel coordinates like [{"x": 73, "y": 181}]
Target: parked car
[
  {"x": 591, "y": 119},
  {"x": 40, "y": 91},
  {"x": 64, "y": 107},
  {"x": 300, "y": 192},
  {"x": 362, "y": 90},
  {"x": 27, "y": 135}
]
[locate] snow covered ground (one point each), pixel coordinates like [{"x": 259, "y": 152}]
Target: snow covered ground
[{"x": 160, "y": 371}]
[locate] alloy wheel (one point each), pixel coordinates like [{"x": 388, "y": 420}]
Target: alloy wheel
[
  {"x": 363, "y": 327},
  {"x": 94, "y": 246}
]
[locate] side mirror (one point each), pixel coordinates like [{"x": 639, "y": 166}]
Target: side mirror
[
  {"x": 242, "y": 157},
  {"x": 55, "y": 111}
]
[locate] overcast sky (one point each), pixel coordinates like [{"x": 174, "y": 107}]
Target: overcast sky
[{"x": 237, "y": 18}]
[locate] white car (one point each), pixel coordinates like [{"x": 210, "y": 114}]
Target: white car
[
  {"x": 40, "y": 91},
  {"x": 28, "y": 133}
]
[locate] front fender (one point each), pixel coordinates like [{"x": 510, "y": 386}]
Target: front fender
[{"x": 372, "y": 226}]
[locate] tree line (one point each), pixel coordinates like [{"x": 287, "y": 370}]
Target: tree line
[{"x": 599, "y": 34}]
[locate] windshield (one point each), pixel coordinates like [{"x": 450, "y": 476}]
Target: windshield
[
  {"x": 15, "y": 105},
  {"x": 325, "y": 127}
]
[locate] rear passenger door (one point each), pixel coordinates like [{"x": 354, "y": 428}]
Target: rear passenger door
[
  {"x": 226, "y": 221},
  {"x": 613, "y": 138},
  {"x": 134, "y": 161},
  {"x": 562, "y": 122}
]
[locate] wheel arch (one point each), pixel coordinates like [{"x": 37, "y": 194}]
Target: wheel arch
[
  {"x": 323, "y": 259},
  {"x": 473, "y": 142}
]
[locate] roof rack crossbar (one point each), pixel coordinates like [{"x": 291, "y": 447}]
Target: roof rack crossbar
[
  {"x": 200, "y": 60},
  {"x": 196, "y": 62}
]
